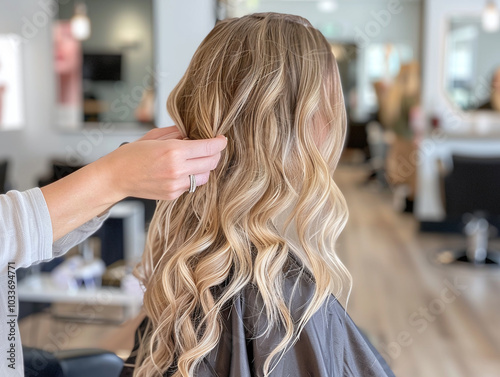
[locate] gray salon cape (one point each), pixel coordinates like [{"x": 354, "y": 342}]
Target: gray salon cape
[{"x": 330, "y": 344}]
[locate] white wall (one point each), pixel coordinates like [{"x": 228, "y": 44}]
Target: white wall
[
  {"x": 178, "y": 29},
  {"x": 363, "y": 22},
  {"x": 352, "y": 17},
  {"x": 180, "y": 25}
]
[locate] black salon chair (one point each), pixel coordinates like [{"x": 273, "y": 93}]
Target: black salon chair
[
  {"x": 3, "y": 176},
  {"x": 472, "y": 195},
  {"x": 71, "y": 363}
]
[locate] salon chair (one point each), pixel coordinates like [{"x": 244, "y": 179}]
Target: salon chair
[
  {"x": 356, "y": 137},
  {"x": 71, "y": 363},
  {"x": 472, "y": 194},
  {"x": 378, "y": 146},
  {"x": 3, "y": 176}
]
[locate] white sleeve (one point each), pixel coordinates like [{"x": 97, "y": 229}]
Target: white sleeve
[
  {"x": 26, "y": 230},
  {"x": 73, "y": 238},
  {"x": 26, "y": 239}
]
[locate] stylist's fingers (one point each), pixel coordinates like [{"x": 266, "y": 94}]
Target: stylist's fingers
[
  {"x": 204, "y": 147},
  {"x": 154, "y": 169},
  {"x": 164, "y": 133},
  {"x": 201, "y": 165}
]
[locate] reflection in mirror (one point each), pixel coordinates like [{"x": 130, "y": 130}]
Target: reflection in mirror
[
  {"x": 472, "y": 65},
  {"x": 382, "y": 64},
  {"x": 11, "y": 96},
  {"x": 103, "y": 61}
]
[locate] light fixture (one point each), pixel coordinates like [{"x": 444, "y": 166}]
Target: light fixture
[
  {"x": 327, "y": 6},
  {"x": 80, "y": 23},
  {"x": 491, "y": 17}
]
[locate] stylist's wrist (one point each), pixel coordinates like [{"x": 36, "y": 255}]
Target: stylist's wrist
[{"x": 108, "y": 172}]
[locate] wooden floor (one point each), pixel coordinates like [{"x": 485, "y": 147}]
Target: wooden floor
[{"x": 427, "y": 320}]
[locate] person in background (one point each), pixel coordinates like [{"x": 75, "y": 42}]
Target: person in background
[
  {"x": 494, "y": 100},
  {"x": 398, "y": 110}
]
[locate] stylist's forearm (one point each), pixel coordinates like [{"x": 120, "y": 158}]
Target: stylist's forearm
[{"x": 79, "y": 197}]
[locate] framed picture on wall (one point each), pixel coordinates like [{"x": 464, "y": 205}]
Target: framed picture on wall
[{"x": 11, "y": 85}]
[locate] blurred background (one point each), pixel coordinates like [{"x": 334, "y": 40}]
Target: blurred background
[{"x": 420, "y": 169}]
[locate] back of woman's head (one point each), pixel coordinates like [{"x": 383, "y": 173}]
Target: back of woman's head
[{"x": 269, "y": 82}]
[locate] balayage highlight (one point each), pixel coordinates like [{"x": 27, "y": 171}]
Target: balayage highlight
[{"x": 270, "y": 83}]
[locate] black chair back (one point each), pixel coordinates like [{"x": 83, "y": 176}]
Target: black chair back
[
  {"x": 71, "y": 363},
  {"x": 3, "y": 176},
  {"x": 473, "y": 186}
]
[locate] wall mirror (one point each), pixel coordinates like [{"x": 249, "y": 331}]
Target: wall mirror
[
  {"x": 472, "y": 66},
  {"x": 103, "y": 62}
]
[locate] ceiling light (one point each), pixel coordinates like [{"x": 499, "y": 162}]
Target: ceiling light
[
  {"x": 491, "y": 17},
  {"x": 327, "y": 6},
  {"x": 80, "y": 23}
]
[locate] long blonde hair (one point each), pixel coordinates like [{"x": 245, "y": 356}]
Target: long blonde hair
[{"x": 270, "y": 83}]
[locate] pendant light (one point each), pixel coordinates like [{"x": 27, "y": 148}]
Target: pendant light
[
  {"x": 80, "y": 23},
  {"x": 327, "y": 6},
  {"x": 491, "y": 17}
]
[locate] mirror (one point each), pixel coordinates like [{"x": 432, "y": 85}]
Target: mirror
[
  {"x": 472, "y": 65},
  {"x": 103, "y": 62}
]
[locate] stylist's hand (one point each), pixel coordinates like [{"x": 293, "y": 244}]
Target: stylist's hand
[{"x": 158, "y": 165}]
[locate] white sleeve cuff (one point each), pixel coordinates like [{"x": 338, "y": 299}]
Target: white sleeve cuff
[{"x": 73, "y": 238}]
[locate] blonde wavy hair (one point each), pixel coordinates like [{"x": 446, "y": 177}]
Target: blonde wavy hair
[{"x": 270, "y": 83}]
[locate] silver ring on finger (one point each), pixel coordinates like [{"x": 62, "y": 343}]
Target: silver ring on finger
[{"x": 192, "y": 180}]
